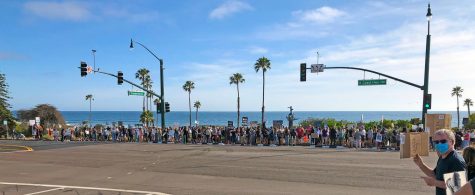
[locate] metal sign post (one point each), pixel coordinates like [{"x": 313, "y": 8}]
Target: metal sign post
[
  {"x": 32, "y": 124},
  {"x": 5, "y": 122}
]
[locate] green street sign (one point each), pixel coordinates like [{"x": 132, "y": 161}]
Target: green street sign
[
  {"x": 372, "y": 82},
  {"x": 138, "y": 93}
]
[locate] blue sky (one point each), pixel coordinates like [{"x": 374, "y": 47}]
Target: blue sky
[{"x": 42, "y": 43}]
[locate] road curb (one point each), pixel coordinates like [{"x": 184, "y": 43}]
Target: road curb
[{"x": 24, "y": 148}]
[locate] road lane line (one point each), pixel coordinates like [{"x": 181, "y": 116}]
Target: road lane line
[
  {"x": 26, "y": 148},
  {"x": 84, "y": 188},
  {"x": 45, "y": 191}
]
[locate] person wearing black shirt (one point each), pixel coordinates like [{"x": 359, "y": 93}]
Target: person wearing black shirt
[
  {"x": 449, "y": 161},
  {"x": 469, "y": 157},
  {"x": 332, "y": 136},
  {"x": 185, "y": 135},
  {"x": 351, "y": 140},
  {"x": 293, "y": 135}
]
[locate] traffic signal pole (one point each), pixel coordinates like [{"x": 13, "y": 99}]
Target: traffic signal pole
[
  {"x": 162, "y": 98},
  {"x": 127, "y": 81},
  {"x": 162, "y": 91},
  {"x": 426, "y": 70},
  {"x": 426, "y": 98}
]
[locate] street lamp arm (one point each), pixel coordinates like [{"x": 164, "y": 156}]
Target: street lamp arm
[
  {"x": 378, "y": 73},
  {"x": 159, "y": 59}
]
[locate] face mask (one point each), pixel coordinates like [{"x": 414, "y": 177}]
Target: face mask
[{"x": 442, "y": 148}]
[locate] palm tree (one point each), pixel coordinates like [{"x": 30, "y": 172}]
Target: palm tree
[
  {"x": 264, "y": 64},
  {"x": 197, "y": 105},
  {"x": 90, "y": 98},
  {"x": 457, "y": 91},
  {"x": 188, "y": 86},
  {"x": 237, "y": 78},
  {"x": 146, "y": 118},
  {"x": 157, "y": 102},
  {"x": 148, "y": 85},
  {"x": 142, "y": 74},
  {"x": 468, "y": 102}
]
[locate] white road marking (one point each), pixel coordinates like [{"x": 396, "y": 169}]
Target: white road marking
[
  {"x": 45, "y": 191},
  {"x": 84, "y": 188}
]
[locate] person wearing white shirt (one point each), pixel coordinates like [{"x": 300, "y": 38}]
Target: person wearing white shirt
[
  {"x": 154, "y": 135},
  {"x": 363, "y": 137},
  {"x": 319, "y": 136},
  {"x": 55, "y": 134},
  {"x": 67, "y": 134}
]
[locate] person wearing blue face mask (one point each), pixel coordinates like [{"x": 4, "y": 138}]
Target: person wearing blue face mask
[{"x": 449, "y": 161}]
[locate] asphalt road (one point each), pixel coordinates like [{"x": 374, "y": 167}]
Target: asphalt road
[{"x": 205, "y": 169}]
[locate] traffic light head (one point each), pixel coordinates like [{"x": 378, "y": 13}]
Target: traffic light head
[
  {"x": 428, "y": 101},
  {"x": 83, "y": 69},
  {"x": 120, "y": 78},
  {"x": 159, "y": 107},
  {"x": 167, "y": 107},
  {"x": 303, "y": 72}
]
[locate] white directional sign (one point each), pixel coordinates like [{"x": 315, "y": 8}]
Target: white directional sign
[{"x": 316, "y": 68}]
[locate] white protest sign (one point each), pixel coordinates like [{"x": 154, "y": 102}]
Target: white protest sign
[
  {"x": 32, "y": 122},
  {"x": 379, "y": 138},
  {"x": 454, "y": 181}
]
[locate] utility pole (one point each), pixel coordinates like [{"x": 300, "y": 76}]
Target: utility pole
[
  {"x": 426, "y": 69},
  {"x": 94, "y": 54},
  {"x": 162, "y": 91},
  {"x": 162, "y": 97}
]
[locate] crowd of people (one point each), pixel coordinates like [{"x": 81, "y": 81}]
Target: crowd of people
[
  {"x": 351, "y": 137},
  {"x": 444, "y": 142}
]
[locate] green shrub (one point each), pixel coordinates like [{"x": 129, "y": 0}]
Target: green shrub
[
  {"x": 47, "y": 137},
  {"x": 23, "y": 128}
]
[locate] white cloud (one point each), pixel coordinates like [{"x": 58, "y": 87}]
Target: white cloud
[
  {"x": 321, "y": 15},
  {"x": 58, "y": 10},
  {"x": 229, "y": 8},
  {"x": 304, "y": 24},
  {"x": 258, "y": 50},
  {"x": 79, "y": 11}
]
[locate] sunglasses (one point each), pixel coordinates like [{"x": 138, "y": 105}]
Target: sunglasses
[{"x": 440, "y": 141}]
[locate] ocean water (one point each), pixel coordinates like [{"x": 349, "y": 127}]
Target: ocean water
[{"x": 222, "y": 118}]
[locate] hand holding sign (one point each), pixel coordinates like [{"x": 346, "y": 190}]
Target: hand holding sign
[{"x": 418, "y": 160}]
